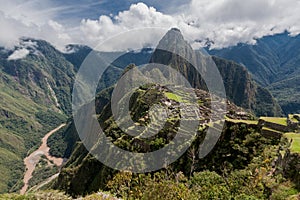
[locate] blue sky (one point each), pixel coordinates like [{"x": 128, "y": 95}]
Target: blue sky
[
  {"x": 75, "y": 10},
  {"x": 226, "y": 22}
]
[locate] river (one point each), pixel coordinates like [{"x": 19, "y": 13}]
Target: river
[{"x": 31, "y": 160}]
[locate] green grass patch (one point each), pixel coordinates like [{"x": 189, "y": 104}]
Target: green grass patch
[
  {"x": 294, "y": 120},
  {"x": 11, "y": 142},
  {"x": 295, "y": 146},
  {"x": 174, "y": 97},
  {"x": 275, "y": 120},
  {"x": 249, "y": 122}
]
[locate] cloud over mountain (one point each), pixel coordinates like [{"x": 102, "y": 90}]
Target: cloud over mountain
[
  {"x": 224, "y": 22},
  {"x": 18, "y": 54}
]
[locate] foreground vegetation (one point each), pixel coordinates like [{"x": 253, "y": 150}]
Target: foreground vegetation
[
  {"x": 244, "y": 164},
  {"x": 55, "y": 195}
]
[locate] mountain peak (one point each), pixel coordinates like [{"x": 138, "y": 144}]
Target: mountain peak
[
  {"x": 173, "y": 41},
  {"x": 173, "y": 35},
  {"x": 175, "y": 29}
]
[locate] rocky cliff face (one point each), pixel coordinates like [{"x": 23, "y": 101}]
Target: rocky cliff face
[
  {"x": 274, "y": 63},
  {"x": 83, "y": 173},
  {"x": 174, "y": 51}
]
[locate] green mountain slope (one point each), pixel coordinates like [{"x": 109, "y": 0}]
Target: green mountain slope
[
  {"x": 85, "y": 174},
  {"x": 36, "y": 95},
  {"x": 35, "y": 98},
  {"x": 274, "y": 63},
  {"x": 242, "y": 158}
]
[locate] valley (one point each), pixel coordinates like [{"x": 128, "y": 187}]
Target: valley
[
  {"x": 33, "y": 159},
  {"x": 255, "y": 155},
  {"x": 150, "y": 100}
]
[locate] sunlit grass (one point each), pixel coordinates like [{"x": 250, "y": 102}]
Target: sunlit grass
[
  {"x": 174, "y": 97},
  {"x": 275, "y": 120},
  {"x": 269, "y": 129},
  {"x": 295, "y": 146},
  {"x": 250, "y": 122}
]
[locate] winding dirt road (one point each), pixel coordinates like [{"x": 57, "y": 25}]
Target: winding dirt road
[{"x": 31, "y": 161}]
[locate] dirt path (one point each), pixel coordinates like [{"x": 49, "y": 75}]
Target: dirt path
[{"x": 31, "y": 161}]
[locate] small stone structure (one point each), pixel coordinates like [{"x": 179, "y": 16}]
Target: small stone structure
[{"x": 275, "y": 130}]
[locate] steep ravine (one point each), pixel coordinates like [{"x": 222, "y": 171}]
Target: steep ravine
[{"x": 31, "y": 160}]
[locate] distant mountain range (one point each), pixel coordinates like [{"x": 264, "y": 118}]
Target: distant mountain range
[
  {"x": 274, "y": 62},
  {"x": 240, "y": 88},
  {"x": 36, "y": 82},
  {"x": 247, "y": 95}
]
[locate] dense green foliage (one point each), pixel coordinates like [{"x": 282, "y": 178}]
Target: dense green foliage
[
  {"x": 241, "y": 166},
  {"x": 256, "y": 180},
  {"x": 274, "y": 63},
  {"x": 252, "y": 182},
  {"x": 62, "y": 142},
  {"x": 35, "y": 98}
]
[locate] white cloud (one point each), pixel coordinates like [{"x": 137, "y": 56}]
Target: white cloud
[
  {"x": 225, "y": 22},
  {"x": 27, "y": 11},
  {"x": 32, "y": 19},
  {"x": 138, "y": 16},
  {"x": 29, "y": 44},
  {"x": 24, "y": 48},
  {"x": 12, "y": 30},
  {"x": 232, "y": 21},
  {"x": 18, "y": 54}
]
